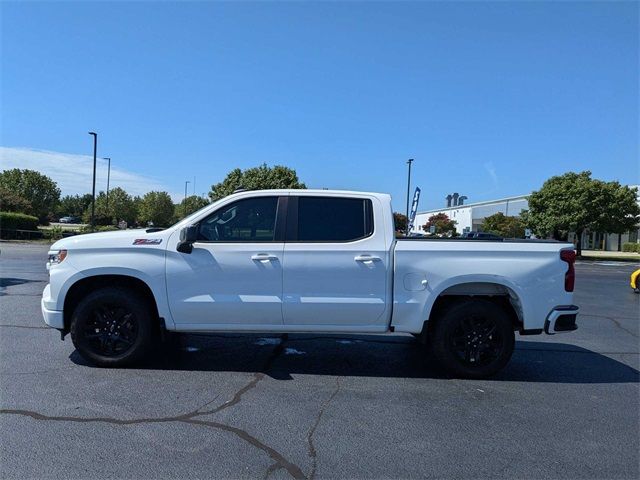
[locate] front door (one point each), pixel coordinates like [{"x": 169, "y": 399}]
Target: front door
[{"x": 233, "y": 277}]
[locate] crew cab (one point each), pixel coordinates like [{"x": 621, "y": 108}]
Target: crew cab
[{"x": 306, "y": 261}]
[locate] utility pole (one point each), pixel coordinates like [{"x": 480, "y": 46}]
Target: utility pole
[
  {"x": 93, "y": 193},
  {"x": 108, "y": 175},
  {"x": 409, "y": 162},
  {"x": 185, "y": 189}
]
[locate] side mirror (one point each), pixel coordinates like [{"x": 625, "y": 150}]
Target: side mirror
[{"x": 188, "y": 236}]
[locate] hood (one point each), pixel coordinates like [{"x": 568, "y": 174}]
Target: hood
[{"x": 115, "y": 239}]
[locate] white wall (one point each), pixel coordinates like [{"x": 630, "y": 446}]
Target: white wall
[
  {"x": 471, "y": 215},
  {"x": 462, "y": 215}
]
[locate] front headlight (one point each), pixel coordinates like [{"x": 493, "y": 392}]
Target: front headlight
[{"x": 56, "y": 257}]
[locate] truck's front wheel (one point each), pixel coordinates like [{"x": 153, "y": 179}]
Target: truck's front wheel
[
  {"x": 473, "y": 339},
  {"x": 111, "y": 327}
]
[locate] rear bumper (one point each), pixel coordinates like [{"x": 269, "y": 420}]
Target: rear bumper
[
  {"x": 561, "y": 319},
  {"x": 53, "y": 318}
]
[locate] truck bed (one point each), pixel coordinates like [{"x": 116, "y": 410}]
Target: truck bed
[{"x": 529, "y": 272}]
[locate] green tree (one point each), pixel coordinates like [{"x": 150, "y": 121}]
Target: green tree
[
  {"x": 121, "y": 206},
  {"x": 136, "y": 205},
  {"x": 12, "y": 202},
  {"x": 38, "y": 189},
  {"x": 500, "y": 224},
  {"x": 190, "y": 205},
  {"x": 574, "y": 202},
  {"x": 400, "y": 221},
  {"x": 444, "y": 225},
  {"x": 156, "y": 208},
  {"x": 258, "y": 178},
  {"x": 74, "y": 205}
]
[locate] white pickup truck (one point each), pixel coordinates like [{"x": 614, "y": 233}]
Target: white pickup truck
[{"x": 306, "y": 261}]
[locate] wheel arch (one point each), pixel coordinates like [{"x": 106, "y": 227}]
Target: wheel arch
[
  {"x": 85, "y": 285},
  {"x": 496, "y": 292}
]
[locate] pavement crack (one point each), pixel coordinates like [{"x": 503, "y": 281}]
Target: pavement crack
[
  {"x": 312, "y": 449},
  {"x": 114, "y": 421},
  {"x": 291, "y": 468},
  {"x": 257, "y": 377},
  {"x": 280, "y": 460},
  {"x": 614, "y": 321},
  {"x": 272, "y": 468},
  {"x": 237, "y": 397}
]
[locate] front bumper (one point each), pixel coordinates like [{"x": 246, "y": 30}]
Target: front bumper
[
  {"x": 53, "y": 318},
  {"x": 561, "y": 319}
]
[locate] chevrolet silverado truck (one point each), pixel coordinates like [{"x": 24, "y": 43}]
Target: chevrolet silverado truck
[{"x": 306, "y": 261}]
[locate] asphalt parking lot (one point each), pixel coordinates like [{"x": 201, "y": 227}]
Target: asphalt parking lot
[{"x": 325, "y": 406}]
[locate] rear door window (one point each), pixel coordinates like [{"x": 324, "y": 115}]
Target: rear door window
[{"x": 332, "y": 219}]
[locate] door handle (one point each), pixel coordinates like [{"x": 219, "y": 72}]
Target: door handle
[
  {"x": 263, "y": 257},
  {"x": 366, "y": 258}
]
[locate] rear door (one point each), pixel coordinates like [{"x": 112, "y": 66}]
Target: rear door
[{"x": 335, "y": 264}]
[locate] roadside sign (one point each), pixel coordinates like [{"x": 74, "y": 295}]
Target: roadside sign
[
  {"x": 432, "y": 229},
  {"x": 527, "y": 232},
  {"x": 414, "y": 209}
]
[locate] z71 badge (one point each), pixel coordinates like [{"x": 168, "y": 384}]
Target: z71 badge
[{"x": 147, "y": 241}]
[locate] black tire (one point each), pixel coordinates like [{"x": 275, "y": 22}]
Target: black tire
[
  {"x": 472, "y": 339},
  {"x": 112, "y": 327}
]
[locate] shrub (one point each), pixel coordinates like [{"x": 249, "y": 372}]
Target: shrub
[
  {"x": 631, "y": 247},
  {"x": 11, "y": 221},
  {"x": 98, "y": 228},
  {"x": 20, "y": 221},
  {"x": 54, "y": 233}
]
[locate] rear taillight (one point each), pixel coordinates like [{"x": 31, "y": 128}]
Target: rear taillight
[{"x": 569, "y": 256}]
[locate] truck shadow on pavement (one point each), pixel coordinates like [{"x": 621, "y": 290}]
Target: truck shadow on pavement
[
  {"x": 12, "y": 282},
  {"x": 281, "y": 356},
  {"x": 7, "y": 282}
]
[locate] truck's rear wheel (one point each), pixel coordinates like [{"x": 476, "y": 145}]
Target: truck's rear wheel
[
  {"x": 111, "y": 327},
  {"x": 473, "y": 339}
]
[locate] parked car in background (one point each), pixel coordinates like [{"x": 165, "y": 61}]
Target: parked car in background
[
  {"x": 70, "y": 219},
  {"x": 482, "y": 236}
]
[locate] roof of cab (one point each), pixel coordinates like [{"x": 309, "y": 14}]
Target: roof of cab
[{"x": 310, "y": 191}]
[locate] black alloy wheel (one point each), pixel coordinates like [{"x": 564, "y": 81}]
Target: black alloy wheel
[
  {"x": 477, "y": 340},
  {"x": 111, "y": 330},
  {"x": 472, "y": 338},
  {"x": 112, "y": 327}
]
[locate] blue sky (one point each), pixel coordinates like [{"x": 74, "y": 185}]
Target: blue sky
[{"x": 490, "y": 99}]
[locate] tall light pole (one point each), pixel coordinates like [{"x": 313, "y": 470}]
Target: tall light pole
[
  {"x": 185, "y": 188},
  {"x": 108, "y": 175},
  {"x": 93, "y": 193},
  {"x": 409, "y": 162}
]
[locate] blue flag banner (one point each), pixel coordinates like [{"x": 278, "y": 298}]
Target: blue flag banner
[{"x": 414, "y": 208}]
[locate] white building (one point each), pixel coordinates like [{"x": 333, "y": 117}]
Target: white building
[{"x": 469, "y": 218}]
